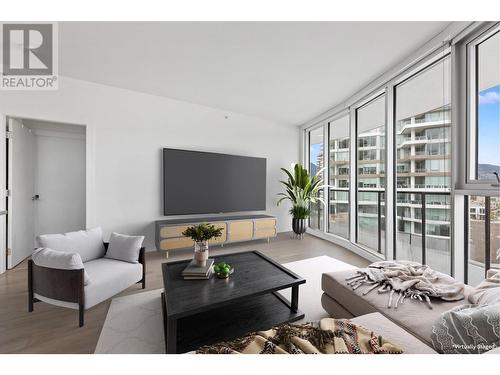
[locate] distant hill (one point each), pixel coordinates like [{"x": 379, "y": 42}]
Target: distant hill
[{"x": 485, "y": 171}]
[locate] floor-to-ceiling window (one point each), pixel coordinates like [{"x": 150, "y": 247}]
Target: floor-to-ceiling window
[
  {"x": 424, "y": 216},
  {"x": 316, "y": 164},
  {"x": 338, "y": 177},
  {"x": 482, "y": 209},
  {"x": 370, "y": 174},
  {"x": 423, "y": 167}
]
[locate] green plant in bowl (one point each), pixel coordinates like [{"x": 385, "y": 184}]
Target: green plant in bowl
[{"x": 222, "y": 270}]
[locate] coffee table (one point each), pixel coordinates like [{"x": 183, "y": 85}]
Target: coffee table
[{"x": 202, "y": 312}]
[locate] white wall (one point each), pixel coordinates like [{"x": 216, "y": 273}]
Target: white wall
[
  {"x": 126, "y": 131},
  {"x": 60, "y": 182}
]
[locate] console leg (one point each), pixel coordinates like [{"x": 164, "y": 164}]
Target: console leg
[{"x": 166, "y": 254}]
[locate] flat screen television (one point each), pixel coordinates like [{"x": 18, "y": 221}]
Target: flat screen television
[{"x": 205, "y": 182}]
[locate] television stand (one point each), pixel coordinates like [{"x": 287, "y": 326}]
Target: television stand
[{"x": 234, "y": 229}]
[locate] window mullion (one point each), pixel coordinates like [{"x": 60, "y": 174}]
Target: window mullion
[
  {"x": 352, "y": 176},
  {"x": 487, "y": 234}
]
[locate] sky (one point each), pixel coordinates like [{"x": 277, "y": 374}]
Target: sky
[
  {"x": 489, "y": 126},
  {"x": 313, "y": 157}
]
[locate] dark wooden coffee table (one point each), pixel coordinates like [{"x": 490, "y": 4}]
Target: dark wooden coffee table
[{"x": 202, "y": 312}]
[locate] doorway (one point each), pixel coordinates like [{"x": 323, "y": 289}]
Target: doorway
[{"x": 45, "y": 167}]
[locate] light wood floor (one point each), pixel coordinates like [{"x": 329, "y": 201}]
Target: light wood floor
[{"x": 51, "y": 329}]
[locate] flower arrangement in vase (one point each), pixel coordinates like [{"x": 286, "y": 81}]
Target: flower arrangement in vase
[{"x": 201, "y": 234}]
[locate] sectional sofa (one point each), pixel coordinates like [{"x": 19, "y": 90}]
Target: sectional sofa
[{"x": 410, "y": 325}]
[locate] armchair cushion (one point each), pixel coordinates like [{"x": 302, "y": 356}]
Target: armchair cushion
[
  {"x": 124, "y": 248},
  {"x": 50, "y": 258},
  {"x": 88, "y": 243},
  {"x": 109, "y": 277}
]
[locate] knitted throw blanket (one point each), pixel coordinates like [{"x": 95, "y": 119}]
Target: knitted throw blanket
[
  {"x": 467, "y": 329},
  {"x": 404, "y": 279},
  {"x": 329, "y": 336}
]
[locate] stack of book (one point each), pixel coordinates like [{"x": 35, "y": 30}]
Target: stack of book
[{"x": 195, "y": 272}]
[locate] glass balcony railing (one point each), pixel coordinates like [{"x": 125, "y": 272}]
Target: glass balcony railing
[
  {"x": 371, "y": 219},
  {"x": 338, "y": 215},
  {"x": 483, "y": 234},
  {"x": 422, "y": 234}
]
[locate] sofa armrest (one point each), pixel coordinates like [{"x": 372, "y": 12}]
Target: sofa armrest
[{"x": 54, "y": 283}]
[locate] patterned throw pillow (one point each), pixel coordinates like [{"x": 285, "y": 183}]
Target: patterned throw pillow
[{"x": 467, "y": 329}]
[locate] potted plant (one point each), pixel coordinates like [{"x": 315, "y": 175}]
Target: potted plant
[
  {"x": 302, "y": 189},
  {"x": 299, "y": 217},
  {"x": 201, "y": 234}
]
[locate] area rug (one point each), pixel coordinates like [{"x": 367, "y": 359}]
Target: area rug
[{"x": 134, "y": 323}]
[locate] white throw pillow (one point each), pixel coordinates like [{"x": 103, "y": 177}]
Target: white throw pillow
[
  {"x": 62, "y": 260},
  {"x": 123, "y": 247},
  {"x": 88, "y": 243}
]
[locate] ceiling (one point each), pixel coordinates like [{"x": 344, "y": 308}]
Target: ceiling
[{"x": 283, "y": 71}]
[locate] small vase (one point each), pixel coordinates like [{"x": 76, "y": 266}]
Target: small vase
[{"x": 201, "y": 253}]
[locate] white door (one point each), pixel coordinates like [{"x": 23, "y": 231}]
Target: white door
[
  {"x": 3, "y": 187},
  {"x": 60, "y": 182},
  {"x": 21, "y": 184}
]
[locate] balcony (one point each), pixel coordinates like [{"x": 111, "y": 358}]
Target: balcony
[{"x": 424, "y": 124}]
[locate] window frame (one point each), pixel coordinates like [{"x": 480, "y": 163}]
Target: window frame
[
  {"x": 328, "y": 122},
  {"x": 418, "y": 69},
  {"x": 464, "y": 97},
  {"x": 320, "y": 125},
  {"x": 381, "y": 93}
]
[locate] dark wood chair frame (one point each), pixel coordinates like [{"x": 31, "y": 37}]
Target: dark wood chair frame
[{"x": 65, "y": 285}]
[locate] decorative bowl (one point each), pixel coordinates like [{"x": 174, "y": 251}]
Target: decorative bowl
[{"x": 223, "y": 270}]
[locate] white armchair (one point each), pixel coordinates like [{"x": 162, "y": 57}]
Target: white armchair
[{"x": 73, "y": 270}]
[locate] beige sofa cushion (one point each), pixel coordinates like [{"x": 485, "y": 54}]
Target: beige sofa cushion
[
  {"x": 382, "y": 326},
  {"x": 413, "y": 316}
]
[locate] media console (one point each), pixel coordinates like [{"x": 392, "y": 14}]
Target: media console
[{"x": 235, "y": 229}]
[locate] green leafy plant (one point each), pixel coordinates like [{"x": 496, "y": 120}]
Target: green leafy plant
[
  {"x": 202, "y": 232},
  {"x": 302, "y": 189},
  {"x": 300, "y": 212},
  {"x": 223, "y": 269}
]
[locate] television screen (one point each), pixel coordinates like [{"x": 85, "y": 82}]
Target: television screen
[{"x": 205, "y": 182}]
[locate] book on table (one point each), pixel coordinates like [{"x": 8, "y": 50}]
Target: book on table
[
  {"x": 194, "y": 271},
  {"x": 201, "y": 277}
]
